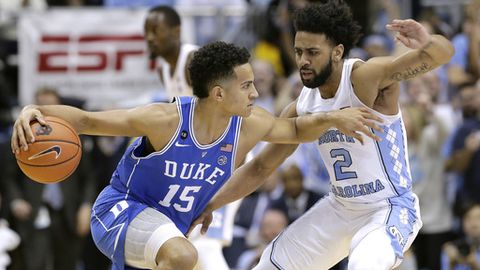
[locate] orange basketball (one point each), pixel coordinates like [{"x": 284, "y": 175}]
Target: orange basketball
[{"x": 55, "y": 153}]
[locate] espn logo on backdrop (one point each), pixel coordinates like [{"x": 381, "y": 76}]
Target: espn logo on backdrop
[{"x": 90, "y": 53}]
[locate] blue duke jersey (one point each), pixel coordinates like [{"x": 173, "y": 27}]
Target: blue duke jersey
[
  {"x": 178, "y": 180},
  {"x": 360, "y": 173}
]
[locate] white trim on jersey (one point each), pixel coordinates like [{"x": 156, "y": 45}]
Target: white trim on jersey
[
  {"x": 192, "y": 131},
  {"x": 170, "y": 143}
]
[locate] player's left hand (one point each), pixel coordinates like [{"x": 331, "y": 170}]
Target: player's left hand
[
  {"x": 205, "y": 219},
  {"x": 410, "y": 32}
]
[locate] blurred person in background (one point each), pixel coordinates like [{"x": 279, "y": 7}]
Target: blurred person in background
[
  {"x": 162, "y": 34},
  {"x": 265, "y": 82},
  {"x": 17, "y": 5},
  {"x": 9, "y": 239},
  {"x": 464, "y": 253},
  {"x": 246, "y": 230},
  {"x": 465, "y": 148},
  {"x": 73, "y": 3},
  {"x": 53, "y": 220},
  {"x": 136, "y": 3},
  {"x": 465, "y": 64},
  {"x": 295, "y": 199},
  {"x": 377, "y": 45},
  {"x": 273, "y": 222},
  {"x": 425, "y": 143}
]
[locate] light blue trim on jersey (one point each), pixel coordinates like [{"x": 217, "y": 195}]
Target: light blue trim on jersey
[
  {"x": 384, "y": 168},
  {"x": 401, "y": 221},
  {"x": 192, "y": 131},
  {"x": 392, "y": 150}
]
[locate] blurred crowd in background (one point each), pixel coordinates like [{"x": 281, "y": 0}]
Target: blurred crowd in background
[{"x": 47, "y": 227}]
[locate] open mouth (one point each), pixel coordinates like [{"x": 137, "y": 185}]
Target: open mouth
[{"x": 306, "y": 74}]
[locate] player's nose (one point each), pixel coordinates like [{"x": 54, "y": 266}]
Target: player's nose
[{"x": 254, "y": 93}]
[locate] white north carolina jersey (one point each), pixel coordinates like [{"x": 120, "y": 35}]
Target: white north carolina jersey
[
  {"x": 177, "y": 84},
  {"x": 360, "y": 173}
]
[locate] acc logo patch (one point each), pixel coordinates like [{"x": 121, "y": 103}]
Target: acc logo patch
[{"x": 222, "y": 160}]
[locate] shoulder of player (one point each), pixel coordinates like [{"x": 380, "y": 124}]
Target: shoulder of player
[
  {"x": 367, "y": 76},
  {"x": 372, "y": 67},
  {"x": 157, "y": 113}
]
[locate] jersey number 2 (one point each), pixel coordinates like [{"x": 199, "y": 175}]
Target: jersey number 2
[
  {"x": 343, "y": 161},
  {"x": 185, "y": 196}
]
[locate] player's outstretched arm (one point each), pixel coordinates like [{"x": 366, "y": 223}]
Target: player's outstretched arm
[
  {"x": 253, "y": 174},
  {"x": 133, "y": 122},
  {"x": 426, "y": 53},
  {"x": 350, "y": 121}
]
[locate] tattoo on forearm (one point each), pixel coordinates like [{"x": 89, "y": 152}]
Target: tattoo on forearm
[{"x": 411, "y": 72}]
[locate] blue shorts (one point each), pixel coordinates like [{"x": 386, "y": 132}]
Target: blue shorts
[{"x": 111, "y": 215}]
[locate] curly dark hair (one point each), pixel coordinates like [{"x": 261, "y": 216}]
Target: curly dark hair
[
  {"x": 332, "y": 18},
  {"x": 214, "y": 62}
]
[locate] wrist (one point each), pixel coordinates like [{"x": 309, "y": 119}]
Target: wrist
[
  {"x": 330, "y": 118},
  {"x": 427, "y": 42},
  {"x": 30, "y": 107}
]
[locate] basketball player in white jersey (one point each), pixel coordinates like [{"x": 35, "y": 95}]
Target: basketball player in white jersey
[
  {"x": 185, "y": 152},
  {"x": 162, "y": 33},
  {"x": 371, "y": 214}
]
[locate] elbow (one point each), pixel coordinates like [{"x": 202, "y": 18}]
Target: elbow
[
  {"x": 446, "y": 50},
  {"x": 450, "y": 51},
  {"x": 84, "y": 124},
  {"x": 260, "y": 169}
]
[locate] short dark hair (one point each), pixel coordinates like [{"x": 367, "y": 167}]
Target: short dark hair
[
  {"x": 333, "y": 18},
  {"x": 172, "y": 18},
  {"x": 214, "y": 62}
]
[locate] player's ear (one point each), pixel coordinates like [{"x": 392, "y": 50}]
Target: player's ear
[
  {"x": 337, "y": 52},
  {"x": 218, "y": 92},
  {"x": 176, "y": 31}
]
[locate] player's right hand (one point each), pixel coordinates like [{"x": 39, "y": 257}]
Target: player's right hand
[
  {"x": 22, "y": 133},
  {"x": 205, "y": 219},
  {"x": 351, "y": 121}
]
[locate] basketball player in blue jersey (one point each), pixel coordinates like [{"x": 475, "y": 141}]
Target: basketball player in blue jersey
[
  {"x": 371, "y": 214},
  {"x": 162, "y": 33},
  {"x": 185, "y": 153}
]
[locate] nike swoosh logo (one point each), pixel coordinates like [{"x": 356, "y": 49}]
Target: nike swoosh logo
[
  {"x": 181, "y": 145},
  {"x": 54, "y": 149}
]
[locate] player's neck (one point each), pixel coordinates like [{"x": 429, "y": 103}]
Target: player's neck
[
  {"x": 172, "y": 58},
  {"x": 209, "y": 121},
  {"x": 330, "y": 87}
]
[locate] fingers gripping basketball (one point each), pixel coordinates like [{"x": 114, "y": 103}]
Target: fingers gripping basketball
[{"x": 55, "y": 153}]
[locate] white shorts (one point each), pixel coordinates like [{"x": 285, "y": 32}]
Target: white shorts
[
  {"x": 329, "y": 231},
  {"x": 146, "y": 233}
]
